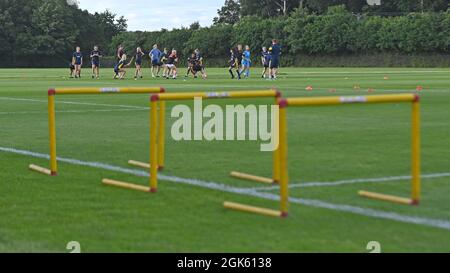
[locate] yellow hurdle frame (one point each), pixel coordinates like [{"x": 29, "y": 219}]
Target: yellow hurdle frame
[
  {"x": 398, "y": 98},
  {"x": 157, "y": 135},
  {"x": 53, "y": 171},
  {"x": 154, "y": 151}
]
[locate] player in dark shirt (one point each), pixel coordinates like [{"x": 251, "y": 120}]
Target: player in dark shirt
[
  {"x": 265, "y": 60},
  {"x": 201, "y": 61},
  {"x": 191, "y": 62},
  {"x": 239, "y": 57},
  {"x": 171, "y": 65},
  {"x": 95, "y": 60},
  {"x": 77, "y": 61},
  {"x": 120, "y": 52},
  {"x": 194, "y": 66},
  {"x": 162, "y": 62},
  {"x": 119, "y": 69},
  {"x": 72, "y": 70},
  {"x": 275, "y": 52},
  {"x": 233, "y": 63},
  {"x": 139, "y": 56}
]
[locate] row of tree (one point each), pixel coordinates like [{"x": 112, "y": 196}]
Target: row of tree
[
  {"x": 234, "y": 10},
  {"x": 336, "y": 32},
  {"x": 45, "y": 32}
]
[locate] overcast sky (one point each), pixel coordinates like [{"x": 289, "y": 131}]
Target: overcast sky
[{"x": 157, "y": 14}]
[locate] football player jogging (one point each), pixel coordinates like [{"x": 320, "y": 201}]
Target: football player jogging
[
  {"x": 275, "y": 52},
  {"x": 155, "y": 57},
  {"x": 233, "y": 63},
  {"x": 95, "y": 61},
  {"x": 265, "y": 61},
  {"x": 246, "y": 62},
  {"x": 77, "y": 62},
  {"x": 139, "y": 56}
]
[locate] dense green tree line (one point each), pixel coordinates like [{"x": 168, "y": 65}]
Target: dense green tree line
[
  {"x": 338, "y": 31},
  {"x": 233, "y": 10},
  {"x": 45, "y": 32}
]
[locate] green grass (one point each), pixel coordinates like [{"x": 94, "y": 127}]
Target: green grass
[{"x": 43, "y": 214}]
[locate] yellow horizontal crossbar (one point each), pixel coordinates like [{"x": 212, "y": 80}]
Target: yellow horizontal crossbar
[
  {"x": 250, "y": 177},
  {"x": 252, "y": 209},
  {"x": 39, "y": 169},
  {"x": 219, "y": 95},
  {"x": 386, "y": 197},
  {"x": 125, "y": 185},
  {"x": 108, "y": 90},
  {"x": 317, "y": 101}
]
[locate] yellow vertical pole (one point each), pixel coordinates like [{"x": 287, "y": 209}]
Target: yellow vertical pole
[
  {"x": 276, "y": 153},
  {"x": 153, "y": 145},
  {"x": 416, "y": 152},
  {"x": 161, "y": 134},
  {"x": 52, "y": 131},
  {"x": 284, "y": 175}
]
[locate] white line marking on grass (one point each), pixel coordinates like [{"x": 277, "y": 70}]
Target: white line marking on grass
[
  {"x": 372, "y": 72},
  {"x": 437, "y": 223},
  {"x": 70, "y": 111},
  {"x": 353, "y": 181},
  {"x": 77, "y": 103}
]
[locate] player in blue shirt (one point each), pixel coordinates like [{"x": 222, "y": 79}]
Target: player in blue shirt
[
  {"x": 95, "y": 60},
  {"x": 155, "y": 57},
  {"x": 246, "y": 61},
  {"x": 77, "y": 61},
  {"x": 275, "y": 52},
  {"x": 139, "y": 56},
  {"x": 265, "y": 61}
]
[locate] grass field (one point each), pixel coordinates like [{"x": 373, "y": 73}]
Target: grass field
[{"x": 358, "y": 147}]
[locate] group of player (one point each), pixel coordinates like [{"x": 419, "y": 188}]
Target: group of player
[
  {"x": 160, "y": 60},
  {"x": 240, "y": 61}
]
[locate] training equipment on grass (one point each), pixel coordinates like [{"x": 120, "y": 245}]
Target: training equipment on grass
[
  {"x": 124, "y": 185},
  {"x": 87, "y": 91},
  {"x": 400, "y": 98},
  {"x": 252, "y": 209},
  {"x": 157, "y": 133},
  {"x": 41, "y": 170},
  {"x": 250, "y": 177},
  {"x": 139, "y": 164},
  {"x": 216, "y": 95}
]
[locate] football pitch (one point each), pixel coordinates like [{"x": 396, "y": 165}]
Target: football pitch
[{"x": 334, "y": 152}]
